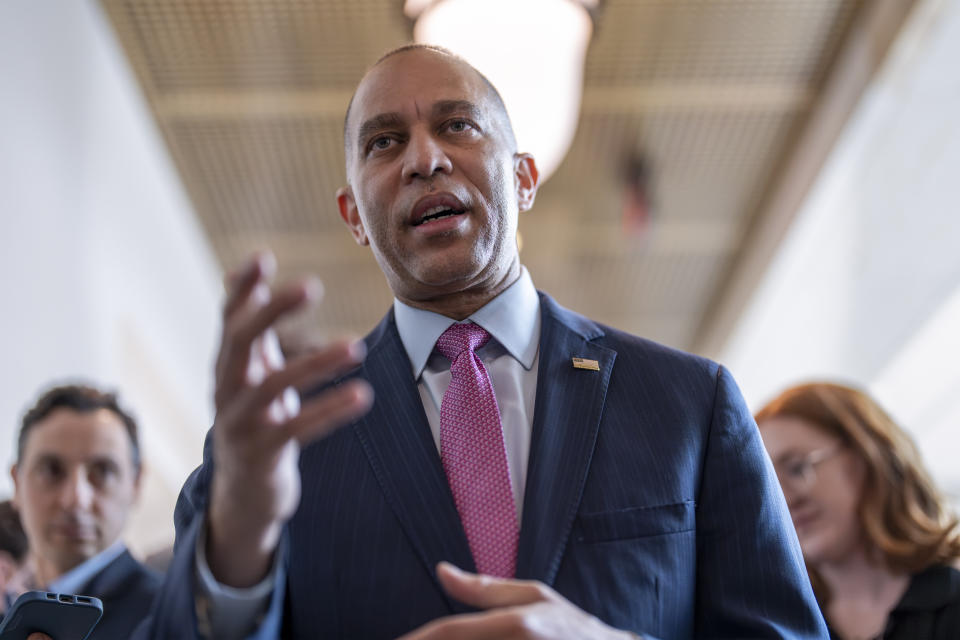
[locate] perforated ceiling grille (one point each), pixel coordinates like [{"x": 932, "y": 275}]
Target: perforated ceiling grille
[
  {"x": 288, "y": 44},
  {"x": 250, "y": 95},
  {"x": 263, "y": 174},
  {"x": 683, "y": 40}
]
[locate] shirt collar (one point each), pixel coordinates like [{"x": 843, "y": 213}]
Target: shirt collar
[
  {"x": 512, "y": 318},
  {"x": 75, "y": 579}
]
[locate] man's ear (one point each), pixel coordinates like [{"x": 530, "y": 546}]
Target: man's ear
[
  {"x": 351, "y": 216},
  {"x": 138, "y": 481},
  {"x": 527, "y": 178},
  {"x": 14, "y": 499}
]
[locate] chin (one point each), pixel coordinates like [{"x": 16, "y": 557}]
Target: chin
[
  {"x": 817, "y": 550},
  {"x": 448, "y": 274}
]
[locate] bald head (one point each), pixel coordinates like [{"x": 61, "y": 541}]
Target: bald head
[
  {"x": 434, "y": 180},
  {"x": 495, "y": 100}
]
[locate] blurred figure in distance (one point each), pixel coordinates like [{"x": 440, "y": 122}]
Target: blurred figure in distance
[
  {"x": 13, "y": 553},
  {"x": 877, "y": 536}
]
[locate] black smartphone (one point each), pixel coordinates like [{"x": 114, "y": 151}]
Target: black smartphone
[{"x": 59, "y": 615}]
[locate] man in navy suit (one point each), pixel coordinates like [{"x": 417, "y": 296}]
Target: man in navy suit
[{"x": 645, "y": 502}]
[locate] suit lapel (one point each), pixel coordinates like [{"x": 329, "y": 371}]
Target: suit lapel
[
  {"x": 567, "y": 412},
  {"x": 398, "y": 443}
]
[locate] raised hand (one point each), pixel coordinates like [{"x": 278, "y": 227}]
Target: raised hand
[
  {"x": 513, "y": 609},
  {"x": 259, "y": 426}
]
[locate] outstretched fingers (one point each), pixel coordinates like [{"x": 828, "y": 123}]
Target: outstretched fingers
[
  {"x": 321, "y": 413},
  {"x": 313, "y": 369},
  {"x": 331, "y": 409},
  {"x": 245, "y": 326},
  {"x": 242, "y": 282}
]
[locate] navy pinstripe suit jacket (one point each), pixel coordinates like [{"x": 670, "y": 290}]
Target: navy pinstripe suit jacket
[{"x": 649, "y": 503}]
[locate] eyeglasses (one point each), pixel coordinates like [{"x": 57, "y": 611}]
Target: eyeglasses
[{"x": 800, "y": 473}]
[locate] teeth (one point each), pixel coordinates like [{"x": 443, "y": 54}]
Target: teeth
[
  {"x": 438, "y": 213},
  {"x": 434, "y": 210}
]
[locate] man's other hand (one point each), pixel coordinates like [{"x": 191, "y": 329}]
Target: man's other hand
[
  {"x": 513, "y": 609},
  {"x": 259, "y": 426}
]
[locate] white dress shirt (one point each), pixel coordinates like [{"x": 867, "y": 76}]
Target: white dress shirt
[{"x": 510, "y": 357}]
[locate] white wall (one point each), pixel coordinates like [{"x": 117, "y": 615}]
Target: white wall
[
  {"x": 104, "y": 272},
  {"x": 866, "y": 288}
]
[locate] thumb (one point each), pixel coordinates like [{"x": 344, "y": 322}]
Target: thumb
[
  {"x": 38, "y": 636},
  {"x": 487, "y": 592}
]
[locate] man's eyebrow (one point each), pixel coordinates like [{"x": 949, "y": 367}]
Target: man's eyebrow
[
  {"x": 446, "y": 107},
  {"x": 378, "y": 123},
  {"x": 103, "y": 459},
  {"x": 46, "y": 458}
]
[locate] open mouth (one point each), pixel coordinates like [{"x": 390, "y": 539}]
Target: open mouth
[
  {"x": 436, "y": 207},
  {"x": 437, "y": 213}
]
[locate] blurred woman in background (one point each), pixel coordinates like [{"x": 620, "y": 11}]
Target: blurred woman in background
[{"x": 876, "y": 535}]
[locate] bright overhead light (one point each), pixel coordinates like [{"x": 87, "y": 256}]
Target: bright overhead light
[{"x": 531, "y": 50}]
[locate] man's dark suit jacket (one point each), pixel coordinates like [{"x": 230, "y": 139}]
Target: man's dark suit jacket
[
  {"x": 127, "y": 589},
  {"x": 650, "y": 503}
]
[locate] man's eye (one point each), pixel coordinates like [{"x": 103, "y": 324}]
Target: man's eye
[
  {"x": 100, "y": 472},
  {"x": 381, "y": 143},
  {"x": 50, "y": 470},
  {"x": 459, "y": 126}
]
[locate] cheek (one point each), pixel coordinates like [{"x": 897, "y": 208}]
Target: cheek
[
  {"x": 846, "y": 486},
  {"x": 502, "y": 181},
  {"x": 374, "y": 218},
  {"x": 111, "y": 513},
  {"x": 36, "y": 497},
  {"x": 377, "y": 193},
  {"x": 36, "y": 512}
]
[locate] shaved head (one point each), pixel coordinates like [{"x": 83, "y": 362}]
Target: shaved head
[
  {"x": 426, "y": 134},
  {"x": 497, "y": 100}
]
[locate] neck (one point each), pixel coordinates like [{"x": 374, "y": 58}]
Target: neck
[
  {"x": 460, "y": 304},
  {"x": 863, "y": 592},
  {"x": 45, "y": 571},
  {"x": 858, "y": 576}
]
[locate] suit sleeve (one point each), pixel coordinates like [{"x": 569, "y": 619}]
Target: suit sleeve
[
  {"x": 181, "y": 609},
  {"x": 751, "y": 579}
]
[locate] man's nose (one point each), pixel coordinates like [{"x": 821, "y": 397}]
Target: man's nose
[
  {"x": 76, "y": 491},
  {"x": 424, "y": 156}
]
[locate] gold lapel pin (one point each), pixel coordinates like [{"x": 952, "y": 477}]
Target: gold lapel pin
[{"x": 584, "y": 363}]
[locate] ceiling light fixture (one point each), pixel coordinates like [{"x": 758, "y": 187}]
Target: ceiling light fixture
[{"x": 533, "y": 52}]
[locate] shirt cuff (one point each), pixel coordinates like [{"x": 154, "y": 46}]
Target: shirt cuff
[{"x": 229, "y": 612}]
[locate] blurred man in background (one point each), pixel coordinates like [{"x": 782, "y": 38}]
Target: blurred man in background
[{"x": 76, "y": 479}]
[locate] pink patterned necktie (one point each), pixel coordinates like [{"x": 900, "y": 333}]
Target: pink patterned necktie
[{"x": 474, "y": 456}]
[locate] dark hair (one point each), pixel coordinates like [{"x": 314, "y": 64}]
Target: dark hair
[
  {"x": 416, "y": 46},
  {"x": 902, "y": 514},
  {"x": 12, "y": 538},
  {"x": 82, "y": 399}
]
